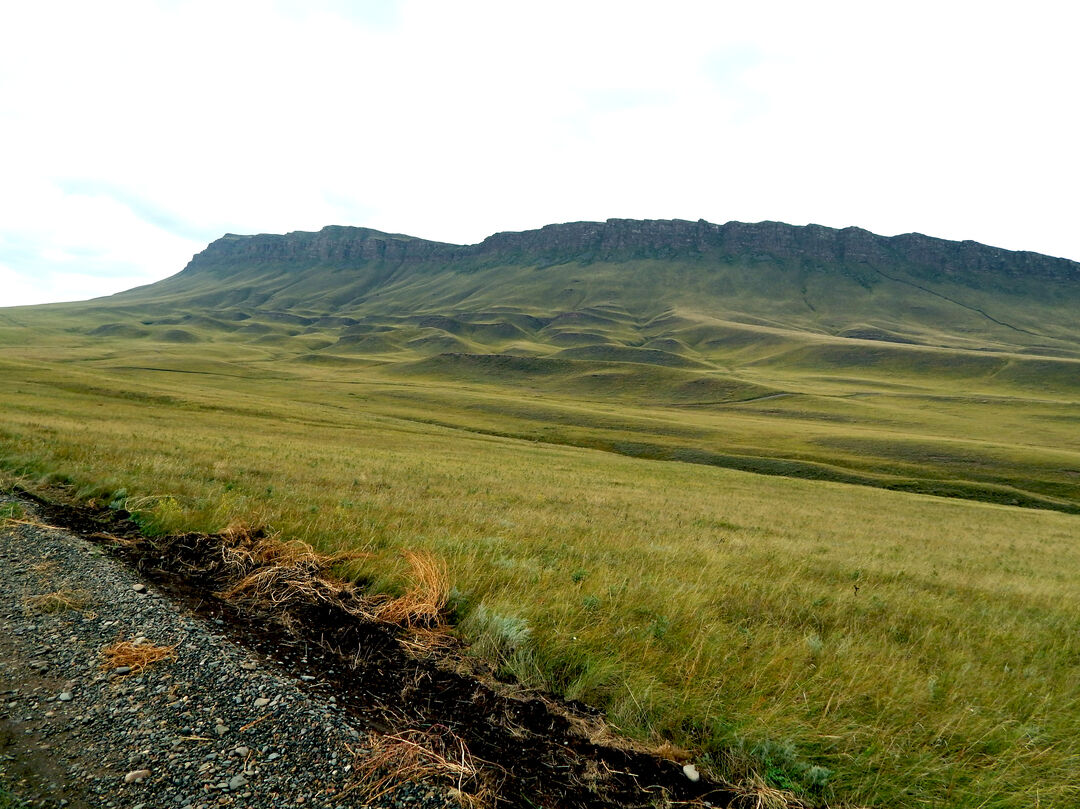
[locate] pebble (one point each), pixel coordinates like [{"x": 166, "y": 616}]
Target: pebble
[
  {"x": 261, "y": 702},
  {"x": 136, "y": 776},
  {"x": 237, "y": 781},
  {"x": 139, "y": 588},
  {"x": 65, "y": 696},
  {"x": 242, "y": 750},
  {"x": 122, "y": 670},
  {"x": 691, "y": 772},
  {"x": 221, "y": 730}
]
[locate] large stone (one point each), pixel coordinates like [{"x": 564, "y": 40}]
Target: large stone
[{"x": 237, "y": 781}]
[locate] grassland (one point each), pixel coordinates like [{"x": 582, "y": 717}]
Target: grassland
[{"x": 717, "y": 527}]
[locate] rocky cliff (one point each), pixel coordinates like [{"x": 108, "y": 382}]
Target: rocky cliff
[{"x": 625, "y": 239}]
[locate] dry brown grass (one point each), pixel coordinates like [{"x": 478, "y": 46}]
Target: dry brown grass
[
  {"x": 275, "y": 575},
  {"x": 754, "y": 793},
  {"x": 434, "y": 754},
  {"x": 45, "y": 568},
  {"x": 672, "y": 752},
  {"x": 423, "y": 641},
  {"x": 60, "y": 601},
  {"x": 423, "y": 603},
  {"x": 137, "y": 655},
  {"x": 32, "y": 524}
]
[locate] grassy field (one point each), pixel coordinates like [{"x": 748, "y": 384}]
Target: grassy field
[{"x": 859, "y": 645}]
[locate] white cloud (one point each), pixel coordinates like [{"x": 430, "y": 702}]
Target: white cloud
[{"x": 135, "y": 132}]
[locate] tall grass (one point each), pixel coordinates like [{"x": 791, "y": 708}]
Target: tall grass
[{"x": 855, "y": 644}]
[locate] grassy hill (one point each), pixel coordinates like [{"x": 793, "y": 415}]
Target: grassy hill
[
  {"x": 768, "y": 339},
  {"x": 690, "y": 473}
]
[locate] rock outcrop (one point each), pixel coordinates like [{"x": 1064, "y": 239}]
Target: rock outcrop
[{"x": 626, "y": 239}]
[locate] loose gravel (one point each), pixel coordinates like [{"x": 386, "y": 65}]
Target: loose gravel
[{"x": 214, "y": 726}]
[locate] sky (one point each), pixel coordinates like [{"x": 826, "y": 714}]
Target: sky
[{"x": 135, "y": 133}]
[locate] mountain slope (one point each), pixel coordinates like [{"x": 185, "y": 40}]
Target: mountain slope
[{"x": 618, "y": 277}]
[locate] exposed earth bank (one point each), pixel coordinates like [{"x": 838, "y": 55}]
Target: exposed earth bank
[
  {"x": 215, "y": 726},
  {"x": 235, "y": 715}
]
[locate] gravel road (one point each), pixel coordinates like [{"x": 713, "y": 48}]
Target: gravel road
[{"x": 216, "y": 726}]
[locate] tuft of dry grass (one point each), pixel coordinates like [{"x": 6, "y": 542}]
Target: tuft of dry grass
[
  {"x": 755, "y": 793},
  {"x": 436, "y": 753},
  {"x": 423, "y": 603},
  {"x": 60, "y": 601},
  {"x": 276, "y": 575},
  {"x": 422, "y": 641},
  {"x": 137, "y": 654},
  {"x": 672, "y": 752},
  {"x": 45, "y": 568}
]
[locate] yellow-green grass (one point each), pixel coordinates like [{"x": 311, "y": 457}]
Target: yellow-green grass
[{"x": 867, "y": 646}]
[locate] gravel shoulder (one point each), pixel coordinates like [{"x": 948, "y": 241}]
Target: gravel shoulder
[{"x": 218, "y": 725}]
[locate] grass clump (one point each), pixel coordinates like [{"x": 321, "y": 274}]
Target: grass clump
[
  {"x": 276, "y": 575},
  {"x": 495, "y": 636},
  {"x": 137, "y": 655},
  {"x": 432, "y": 755},
  {"x": 424, "y": 603},
  {"x": 283, "y": 578},
  {"x": 10, "y": 512},
  {"x": 61, "y": 601}
]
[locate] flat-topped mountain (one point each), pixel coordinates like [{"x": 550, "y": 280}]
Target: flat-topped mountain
[
  {"x": 628, "y": 239},
  {"x": 694, "y": 289}
]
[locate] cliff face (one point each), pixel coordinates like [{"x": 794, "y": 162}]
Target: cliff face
[
  {"x": 331, "y": 246},
  {"x": 623, "y": 239}
]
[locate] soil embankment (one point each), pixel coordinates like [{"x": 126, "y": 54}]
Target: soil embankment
[{"x": 334, "y": 711}]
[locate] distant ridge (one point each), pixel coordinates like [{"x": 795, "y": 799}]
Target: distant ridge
[{"x": 625, "y": 239}]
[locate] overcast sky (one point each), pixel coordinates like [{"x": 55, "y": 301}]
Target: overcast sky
[{"x": 135, "y": 133}]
